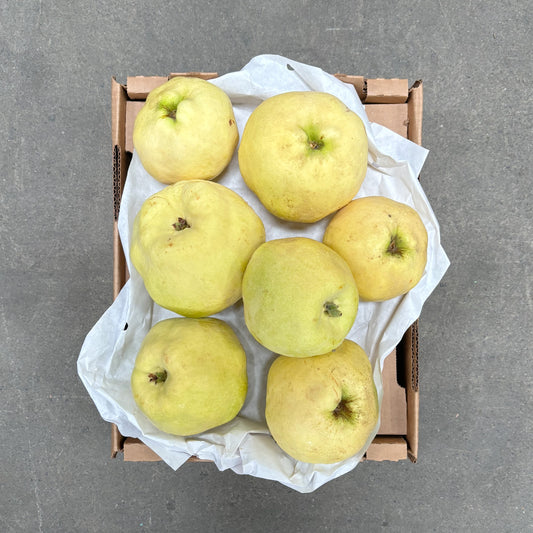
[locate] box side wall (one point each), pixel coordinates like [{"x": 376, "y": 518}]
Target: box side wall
[
  {"x": 410, "y": 342},
  {"x": 120, "y": 169},
  {"x": 387, "y": 91},
  {"x": 415, "y": 114},
  {"x": 120, "y": 163}
]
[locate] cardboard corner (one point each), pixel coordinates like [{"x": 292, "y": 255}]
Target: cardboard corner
[{"x": 138, "y": 87}]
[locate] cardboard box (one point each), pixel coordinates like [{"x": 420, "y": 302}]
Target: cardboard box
[{"x": 390, "y": 102}]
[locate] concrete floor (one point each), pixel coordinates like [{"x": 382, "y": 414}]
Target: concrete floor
[{"x": 56, "y": 61}]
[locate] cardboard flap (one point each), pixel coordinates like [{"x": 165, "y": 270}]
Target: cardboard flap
[
  {"x": 390, "y": 91},
  {"x": 135, "y": 450},
  {"x": 394, "y": 403},
  {"x": 202, "y": 75},
  {"x": 132, "y": 108},
  {"x": 118, "y": 117},
  {"x": 120, "y": 268},
  {"x": 358, "y": 82},
  {"x": 140, "y": 86},
  {"x": 118, "y": 108},
  {"x": 392, "y": 116},
  {"x": 117, "y": 440},
  {"x": 416, "y": 100},
  {"x": 387, "y": 449}
]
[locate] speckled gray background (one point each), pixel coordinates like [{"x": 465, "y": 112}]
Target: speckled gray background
[{"x": 475, "y": 457}]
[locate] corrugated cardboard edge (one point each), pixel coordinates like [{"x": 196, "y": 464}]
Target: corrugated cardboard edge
[
  {"x": 120, "y": 164},
  {"x": 383, "y": 447},
  {"x": 414, "y": 133},
  {"x": 410, "y": 345},
  {"x": 118, "y": 117}
]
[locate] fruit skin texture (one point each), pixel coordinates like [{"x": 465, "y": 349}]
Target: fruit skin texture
[
  {"x": 204, "y": 369},
  {"x": 185, "y": 130},
  {"x": 304, "y": 154},
  {"x": 322, "y": 409},
  {"x": 191, "y": 243},
  {"x": 384, "y": 242},
  {"x": 288, "y": 287}
]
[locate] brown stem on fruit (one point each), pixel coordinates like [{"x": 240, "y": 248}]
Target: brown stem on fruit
[
  {"x": 342, "y": 410},
  {"x": 181, "y": 224},
  {"x": 170, "y": 107},
  {"x": 316, "y": 145},
  {"x": 158, "y": 377},
  {"x": 394, "y": 248},
  {"x": 332, "y": 309},
  {"x": 171, "y": 110}
]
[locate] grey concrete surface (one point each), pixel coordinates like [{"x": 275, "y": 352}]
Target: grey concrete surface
[{"x": 56, "y": 62}]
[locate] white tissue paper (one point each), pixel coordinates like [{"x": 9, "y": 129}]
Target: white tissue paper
[{"x": 244, "y": 444}]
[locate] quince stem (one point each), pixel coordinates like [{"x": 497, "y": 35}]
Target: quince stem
[
  {"x": 395, "y": 245},
  {"x": 181, "y": 224},
  {"x": 157, "y": 377},
  {"x": 332, "y": 309},
  {"x": 342, "y": 410}
]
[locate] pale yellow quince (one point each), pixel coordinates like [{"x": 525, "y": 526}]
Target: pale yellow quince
[
  {"x": 190, "y": 375},
  {"x": 185, "y": 130},
  {"x": 384, "y": 242},
  {"x": 191, "y": 243},
  {"x": 322, "y": 409},
  {"x": 304, "y": 154},
  {"x": 299, "y": 297}
]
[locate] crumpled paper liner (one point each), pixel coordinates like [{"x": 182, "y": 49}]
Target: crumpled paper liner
[{"x": 244, "y": 444}]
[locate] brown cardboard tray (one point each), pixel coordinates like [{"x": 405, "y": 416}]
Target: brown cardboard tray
[{"x": 389, "y": 102}]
